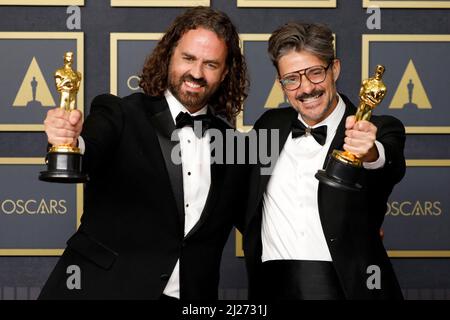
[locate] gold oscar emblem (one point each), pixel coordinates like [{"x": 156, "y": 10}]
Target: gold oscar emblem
[
  {"x": 64, "y": 161},
  {"x": 343, "y": 169}
]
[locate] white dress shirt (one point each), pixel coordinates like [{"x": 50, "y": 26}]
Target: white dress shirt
[
  {"x": 291, "y": 227},
  {"x": 196, "y": 163}
]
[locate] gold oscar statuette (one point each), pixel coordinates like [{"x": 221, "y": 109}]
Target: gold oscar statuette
[
  {"x": 344, "y": 169},
  {"x": 64, "y": 161}
]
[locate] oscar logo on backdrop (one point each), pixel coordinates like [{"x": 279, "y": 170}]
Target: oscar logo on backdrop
[
  {"x": 410, "y": 93},
  {"x": 33, "y": 91}
]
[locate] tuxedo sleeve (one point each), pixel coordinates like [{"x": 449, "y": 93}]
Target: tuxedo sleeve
[
  {"x": 380, "y": 182},
  {"x": 391, "y": 134},
  {"x": 101, "y": 131}
]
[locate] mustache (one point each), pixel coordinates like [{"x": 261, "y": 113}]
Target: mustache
[
  {"x": 312, "y": 94},
  {"x": 199, "y": 81}
]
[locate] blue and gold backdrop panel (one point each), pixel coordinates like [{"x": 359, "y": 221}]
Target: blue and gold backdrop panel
[
  {"x": 407, "y": 3},
  {"x": 265, "y": 91},
  {"x": 42, "y": 2},
  {"x": 36, "y": 218},
  {"x": 27, "y": 77},
  {"x": 417, "y": 219},
  {"x": 128, "y": 53},
  {"x": 287, "y": 3},
  {"x": 159, "y": 3},
  {"x": 417, "y": 76}
]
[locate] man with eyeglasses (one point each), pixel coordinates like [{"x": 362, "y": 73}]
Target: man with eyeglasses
[{"x": 304, "y": 240}]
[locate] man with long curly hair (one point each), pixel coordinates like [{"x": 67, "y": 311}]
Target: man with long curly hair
[{"x": 152, "y": 228}]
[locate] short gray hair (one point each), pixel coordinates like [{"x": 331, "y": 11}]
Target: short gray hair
[{"x": 316, "y": 39}]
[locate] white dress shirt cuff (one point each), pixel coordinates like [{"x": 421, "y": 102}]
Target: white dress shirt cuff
[
  {"x": 379, "y": 163},
  {"x": 81, "y": 145}
]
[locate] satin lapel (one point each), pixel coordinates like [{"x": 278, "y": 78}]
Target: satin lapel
[{"x": 164, "y": 126}]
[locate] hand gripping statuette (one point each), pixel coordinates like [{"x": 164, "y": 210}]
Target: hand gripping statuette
[
  {"x": 64, "y": 161},
  {"x": 344, "y": 169}
]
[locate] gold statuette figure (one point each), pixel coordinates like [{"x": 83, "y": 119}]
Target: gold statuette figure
[
  {"x": 343, "y": 169},
  {"x": 371, "y": 94},
  {"x": 64, "y": 161},
  {"x": 67, "y": 82}
]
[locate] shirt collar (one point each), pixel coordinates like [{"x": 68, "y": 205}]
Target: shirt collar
[{"x": 176, "y": 107}]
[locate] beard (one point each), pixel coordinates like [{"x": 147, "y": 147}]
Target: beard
[{"x": 191, "y": 100}]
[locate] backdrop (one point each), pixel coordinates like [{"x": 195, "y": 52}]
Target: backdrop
[{"x": 111, "y": 39}]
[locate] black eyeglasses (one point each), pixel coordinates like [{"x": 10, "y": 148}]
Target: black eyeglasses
[{"x": 315, "y": 75}]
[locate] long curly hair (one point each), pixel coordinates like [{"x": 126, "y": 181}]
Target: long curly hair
[{"x": 227, "y": 100}]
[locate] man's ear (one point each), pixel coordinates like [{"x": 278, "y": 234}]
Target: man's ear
[{"x": 336, "y": 69}]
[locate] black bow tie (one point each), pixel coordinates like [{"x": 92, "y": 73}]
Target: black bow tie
[
  {"x": 184, "y": 119},
  {"x": 299, "y": 129}
]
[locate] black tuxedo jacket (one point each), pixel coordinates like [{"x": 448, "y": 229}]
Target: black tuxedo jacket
[
  {"x": 350, "y": 220},
  {"x": 131, "y": 232}
]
